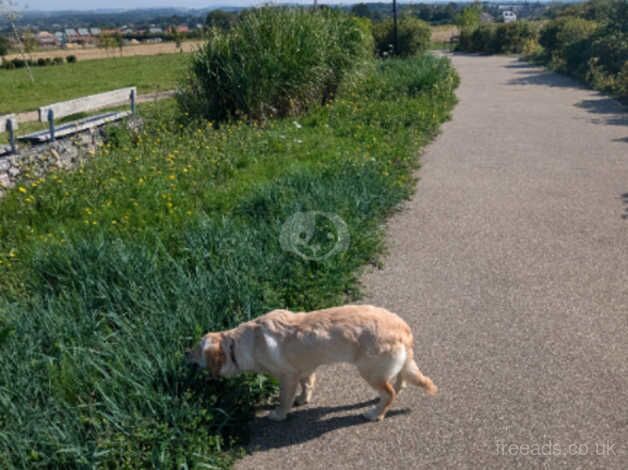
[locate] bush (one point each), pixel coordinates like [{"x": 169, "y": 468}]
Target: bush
[
  {"x": 274, "y": 62},
  {"x": 18, "y": 63},
  {"x": 41, "y": 62},
  {"x": 414, "y": 36},
  {"x": 71, "y": 59},
  {"x": 567, "y": 42},
  {"x": 108, "y": 273},
  {"x": 504, "y": 38},
  {"x": 58, "y": 60},
  {"x": 510, "y": 38}
]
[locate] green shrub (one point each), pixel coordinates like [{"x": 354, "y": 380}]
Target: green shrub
[
  {"x": 71, "y": 59},
  {"x": 18, "y": 63},
  {"x": 108, "y": 273},
  {"x": 58, "y": 61},
  {"x": 274, "y": 62},
  {"x": 504, "y": 38},
  {"x": 414, "y": 36},
  {"x": 510, "y": 38},
  {"x": 567, "y": 43}
]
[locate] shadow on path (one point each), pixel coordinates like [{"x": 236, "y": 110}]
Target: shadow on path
[
  {"x": 624, "y": 198},
  {"x": 608, "y": 111},
  {"x": 310, "y": 423},
  {"x": 528, "y": 74},
  {"x": 611, "y": 111}
]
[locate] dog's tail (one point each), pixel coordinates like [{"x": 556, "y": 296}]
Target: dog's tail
[{"x": 412, "y": 374}]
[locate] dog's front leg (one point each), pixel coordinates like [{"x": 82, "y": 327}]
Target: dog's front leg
[{"x": 287, "y": 391}]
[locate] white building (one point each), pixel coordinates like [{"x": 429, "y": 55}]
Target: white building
[{"x": 509, "y": 16}]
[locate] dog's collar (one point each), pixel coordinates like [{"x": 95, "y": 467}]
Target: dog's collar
[{"x": 232, "y": 354}]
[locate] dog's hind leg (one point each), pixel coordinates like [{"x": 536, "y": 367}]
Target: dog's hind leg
[
  {"x": 287, "y": 391},
  {"x": 307, "y": 386},
  {"x": 386, "y": 396},
  {"x": 379, "y": 372}
]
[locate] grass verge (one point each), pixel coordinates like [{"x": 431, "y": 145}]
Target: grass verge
[
  {"x": 64, "y": 82},
  {"x": 108, "y": 273}
]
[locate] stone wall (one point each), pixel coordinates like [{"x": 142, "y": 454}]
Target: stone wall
[{"x": 37, "y": 161}]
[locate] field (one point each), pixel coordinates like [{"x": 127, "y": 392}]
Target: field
[
  {"x": 63, "y": 82},
  {"x": 442, "y": 34},
  {"x": 91, "y": 53}
]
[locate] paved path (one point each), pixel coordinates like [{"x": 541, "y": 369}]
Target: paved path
[{"x": 511, "y": 265}]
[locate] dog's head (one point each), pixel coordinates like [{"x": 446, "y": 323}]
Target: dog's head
[{"x": 208, "y": 354}]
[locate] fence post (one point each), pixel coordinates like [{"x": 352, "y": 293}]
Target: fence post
[
  {"x": 133, "y": 97},
  {"x": 11, "y": 135},
  {"x": 51, "y": 124}
]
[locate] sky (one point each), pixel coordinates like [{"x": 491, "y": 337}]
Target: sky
[{"x": 130, "y": 4}]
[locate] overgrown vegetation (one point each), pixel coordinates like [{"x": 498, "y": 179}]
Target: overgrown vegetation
[
  {"x": 414, "y": 37},
  {"x": 588, "y": 41},
  {"x": 274, "y": 62},
  {"x": 109, "y": 272}
]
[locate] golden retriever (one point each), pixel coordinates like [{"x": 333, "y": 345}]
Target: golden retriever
[{"x": 290, "y": 346}]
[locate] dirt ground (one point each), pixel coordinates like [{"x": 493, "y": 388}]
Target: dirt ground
[{"x": 90, "y": 53}]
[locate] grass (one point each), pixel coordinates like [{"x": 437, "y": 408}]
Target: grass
[
  {"x": 68, "y": 81},
  {"x": 109, "y": 272},
  {"x": 275, "y": 62}
]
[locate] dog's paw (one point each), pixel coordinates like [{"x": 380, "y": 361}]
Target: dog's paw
[
  {"x": 373, "y": 415},
  {"x": 302, "y": 400},
  {"x": 277, "y": 415}
]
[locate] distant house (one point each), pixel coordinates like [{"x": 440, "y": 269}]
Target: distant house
[
  {"x": 71, "y": 34},
  {"x": 46, "y": 39},
  {"x": 60, "y": 37},
  {"x": 95, "y": 31},
  {"x": 182, "y": 28},
  {"x": 83, "y": 32},
  {"x": 509, "y": 16},
  {"x": 155, "y": 31},
  {"x": 127, "y": 31}
]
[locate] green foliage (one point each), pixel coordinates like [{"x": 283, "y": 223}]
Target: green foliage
[
  {"x": 4, "y": 46},
  {"x": 592, "y": 46},
  {"x": 274, "y": 62},
  {"x": 469, "y": 18},
  {"x": 108, "y": 273},
  {"x": 220, "y": 19},
  {"x": 503, "y": 38},
  {"x": 414, "y": 36}
]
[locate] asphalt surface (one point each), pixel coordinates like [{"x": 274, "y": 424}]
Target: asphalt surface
[{"x": 511, "y": 265}]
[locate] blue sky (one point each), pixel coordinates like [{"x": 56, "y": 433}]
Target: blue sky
[{"x": 92, "y": 5}]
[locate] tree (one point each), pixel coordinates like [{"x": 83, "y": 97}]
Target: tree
[
  {"x": 178, "y": 38},
  {"x": 4, "y": 46},
  {"x": 362, "y": 10},
  {"x": 220, "y": 19},
  {"x": 469, "y": 17},
  {"x": 8, "y": 10},
  {"x": 119, "y": 41}
]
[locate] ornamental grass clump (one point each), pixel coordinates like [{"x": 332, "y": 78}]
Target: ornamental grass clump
[{"x": 274, "y": 62}]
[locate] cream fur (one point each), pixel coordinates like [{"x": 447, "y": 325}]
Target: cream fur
[{"x": 290, "y": 346}]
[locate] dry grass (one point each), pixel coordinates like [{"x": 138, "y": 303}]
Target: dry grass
[
  {"x": 91, "y": 53},
  {"x": 443, "y": 33}
]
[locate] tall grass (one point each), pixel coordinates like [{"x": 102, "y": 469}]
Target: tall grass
[
  {"x": 274, "y": 62},
  {"x": 110, "y": 272}
]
